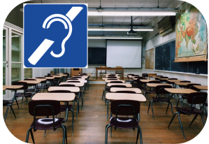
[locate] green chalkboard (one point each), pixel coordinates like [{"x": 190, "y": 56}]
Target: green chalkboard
[{"x": 165, "y": 57}]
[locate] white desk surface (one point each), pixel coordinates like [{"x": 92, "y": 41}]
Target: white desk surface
[
  {"x": 125, "y": 84},
  {"x": 55, "y": 88},
  {"x": 80, "y": 80},
  {"x": 62, "y": 97},
  {"x": 136, "y": 90},
  {"x": 123, "y": 96},
  {"x": 69, "y": 83}
]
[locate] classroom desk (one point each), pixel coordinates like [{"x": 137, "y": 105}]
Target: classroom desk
[
  {"x": 163, "y": 79},
  {"x": 179, "y": 91},
  {"x": 124, "y": 84},
  {"x": 201, "y": 87},
  {"x": 123, "y": 96},
  {"x": 108, "y": 81},
  {"x": 38, "y": 79},
  {"x": 31, "y": 82},
  {"x": 12, "y": 87},
  {"x": 115, "y": 69},
  {"x": 147, "y": 80},
  {"x": 181, "y": 84},
  {"x": 57, "y": 88},
  {"x": 69, "y": 83},
  {"x": 61, "y": 97},
  {"x": 49, "y": 78},
  {"x": 136, "y": 90},
  {"x": 156, "y": 84},
  {"x": 173, "y": 81},
  {"x": 80, "y": 80}
]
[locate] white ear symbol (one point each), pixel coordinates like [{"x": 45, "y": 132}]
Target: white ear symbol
[{"x": 46, "y": 44}]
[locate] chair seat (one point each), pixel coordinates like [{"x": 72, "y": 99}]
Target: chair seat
[
  {"x": 23, "y": 95},
  {"x": 47, "y": 123},
  {"x": 6, "y": 102},
  {"x": 160, "y": 99},
  {"x": 124, "y": 123},
  {"x": 63, "y": 108},
  {"x": 186, "y": 110}
]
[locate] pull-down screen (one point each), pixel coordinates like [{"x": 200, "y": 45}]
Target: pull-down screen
[{"x": 123, "y": 53}]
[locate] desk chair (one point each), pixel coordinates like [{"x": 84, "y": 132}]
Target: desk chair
[
  {"x": 33, "y": 89},
  {"x": 160, "y": 91},
  {"x": 77, "y": 98},
  {"x": 23, "y": 94},
  {"x": 8, "y": 104},
  {"x": 193, "y": 99},
  {"x": 185, "y": 96},
  {"x": 124, "y": 107},
  {"x": 145, "y": 75},
  {"x": 43, "y": 84},
  {"x": 63, "y": 108},
  {"x": 45, "y": 108}
]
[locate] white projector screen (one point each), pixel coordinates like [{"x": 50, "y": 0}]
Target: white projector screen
[{"x": 123, "y": 53}]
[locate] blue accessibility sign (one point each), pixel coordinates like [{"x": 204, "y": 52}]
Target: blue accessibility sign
[{"x": 55, "y": 35}]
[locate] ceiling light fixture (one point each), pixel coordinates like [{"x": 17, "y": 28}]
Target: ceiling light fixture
[
  {"x": 119, "y": 29},
  {"x": 112, "y": 37},
  {"x": 132, "y": 12}
]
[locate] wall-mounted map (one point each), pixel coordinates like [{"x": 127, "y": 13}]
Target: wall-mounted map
[
  {"x": 149, "y": 59},
  {"x": 191, "y": 34}
]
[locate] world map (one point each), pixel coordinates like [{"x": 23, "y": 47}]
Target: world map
[{"x": 191, "y": 32}]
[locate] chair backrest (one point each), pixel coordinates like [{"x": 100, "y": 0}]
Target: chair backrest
[
  {"x": 77, "y": 77},
  {"x": 164, "y": 77},
  {"x": 153, "y": 82},
  {"x": 83, "y": 74},
  {"x": 172, "y": 79},
  {"x": 185, "y": 81},
  {"x": 191, "y": 86},
  {"x": 59, "y": 91},
  {"x": 144, "y": 74},
  {"x": 44, "y": 108},
  {"x": 197, "y": 98},
  {"x": 125, "y": 107},
  {"x": 116, "y": 82},
  {"x": 159, "y": 76},
  {"x": 118, "y": 86},
  {"x": 161, "y": 89},
  {"x": 41, "y": 77},
  {"x": 30, "y": 79},
  {"x": 48, "y": 76},
  {"x": 68, "y": 85},
  {"x": 72, "y": 79},
  {"x": 124, "y": 91},
  {"x": 111, "y": 77},
  {"x": 25, "y": 85}
]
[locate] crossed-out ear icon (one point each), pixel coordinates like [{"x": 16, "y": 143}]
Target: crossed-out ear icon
[{"x": 46, "y": 44}]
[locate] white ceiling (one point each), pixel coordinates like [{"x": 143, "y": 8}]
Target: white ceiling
[{"x": 111, "y": 20}]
